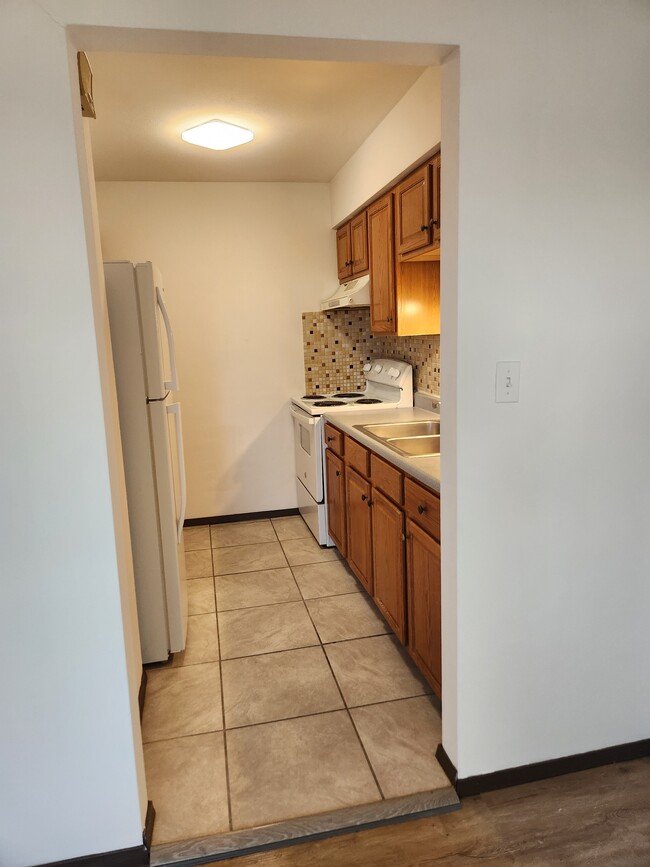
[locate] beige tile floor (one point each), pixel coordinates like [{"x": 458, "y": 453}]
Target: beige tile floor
[{"x": 292, "y": 697}]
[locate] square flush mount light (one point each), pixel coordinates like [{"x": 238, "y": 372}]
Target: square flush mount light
[{"x": 217, "y": 135}]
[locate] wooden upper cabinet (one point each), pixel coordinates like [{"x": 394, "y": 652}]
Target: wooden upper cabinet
[
  {"x": 359, "y": 243},
  {"x": 418, "y": 214},
  {"x": 344, "y": 252},
  {"x": 382, "y": 266},
  {"x": 435, "y": 198},
  {"x": 414, "y": 210},
  {"x": 352, "y": 248}
]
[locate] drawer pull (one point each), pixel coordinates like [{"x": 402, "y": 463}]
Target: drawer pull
[{"x": 422, "y": 509}]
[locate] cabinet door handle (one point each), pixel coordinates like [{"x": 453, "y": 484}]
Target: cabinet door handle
[
  {"x": 389, "y": 319},
  {"x": 364, "y": 497},
  {"x": 369, "y": 503},
  {"x": 338, "y": 472},
  {"x": 423, "y": 228},
  {"x": 433, "y": 222},
  {"x": 422, "y": 509},
  {"x": 329, "y": 439},
  {"x": 405, "y": 536}
]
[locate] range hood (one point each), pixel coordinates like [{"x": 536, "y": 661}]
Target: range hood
[{"x": 355, "y": 293}]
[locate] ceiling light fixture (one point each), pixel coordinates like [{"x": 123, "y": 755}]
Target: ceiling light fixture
[{"x": 217, "y": 135}]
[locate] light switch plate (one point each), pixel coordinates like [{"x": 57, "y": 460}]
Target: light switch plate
[{"x": 507, "y": 382}]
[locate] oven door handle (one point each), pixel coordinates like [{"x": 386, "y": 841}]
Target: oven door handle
[{"x": 303, "y": 418}]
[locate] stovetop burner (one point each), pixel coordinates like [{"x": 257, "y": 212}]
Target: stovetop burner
[
  {"x": 349, "y": 394},
  {"x": 367, "y": 400},
  {"x": 311, "y": 397},
  {"x": 329, "y": 403}
]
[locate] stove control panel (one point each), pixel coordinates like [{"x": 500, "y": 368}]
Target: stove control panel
[{"x": 388, "y": 372}]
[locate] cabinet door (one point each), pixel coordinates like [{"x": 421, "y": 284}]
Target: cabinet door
[
  {"x": 335, "y": 499},
  {"x": 358, "y": 504},
  {"x": 382, "y": 266},
  {"x": 414, "y": 211},
  {"x": 435, "y": 199},
  {"x": 359, "y": 244},
  {"x": 388, "y": 559},
  {"x": 424, "y": 609},
  {"x": 344, "y": 252}
]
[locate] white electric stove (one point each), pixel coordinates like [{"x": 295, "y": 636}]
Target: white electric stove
[{"x": 388, "y": 384}]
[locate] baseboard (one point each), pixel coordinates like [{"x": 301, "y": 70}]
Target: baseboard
[
  {"x": 136, "y": 857},
  {"x": 150, "y": 818},
  {"x": 447, "y": 765},
  {"x": 540, "y": 770},
  {"x": 142, "y": 692},
  {"x": 243, "y": 516}
]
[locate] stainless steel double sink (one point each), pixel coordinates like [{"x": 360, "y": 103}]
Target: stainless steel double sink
[{"x": 408, "y": 438}]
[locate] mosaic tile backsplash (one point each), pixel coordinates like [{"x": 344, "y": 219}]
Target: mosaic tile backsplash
[{"x": 337, "y": 343}]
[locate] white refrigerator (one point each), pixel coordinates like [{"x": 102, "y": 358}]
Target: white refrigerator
[{"x": 152, "y": 445}]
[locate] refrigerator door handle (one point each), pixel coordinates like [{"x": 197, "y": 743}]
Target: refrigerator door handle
[
  {"x": 175, "y": 410},
  {"x": 170, "y": 384}
]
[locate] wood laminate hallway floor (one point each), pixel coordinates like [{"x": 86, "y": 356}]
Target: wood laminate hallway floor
[
  {"x": 293, "y": 709},
  {"x": 595, "y": 818}
]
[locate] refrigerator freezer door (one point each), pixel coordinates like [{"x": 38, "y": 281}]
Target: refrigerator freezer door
[
  {"x": 166, "y": 450},
  {"x": 157, "y": 336}
]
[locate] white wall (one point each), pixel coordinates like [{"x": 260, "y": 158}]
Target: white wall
[
  {"x": 552, "y": 493},
  {"x": 241, "y": 262},
  {"x": 69, "y": 764},
  {"x": 400, "y": 141}
]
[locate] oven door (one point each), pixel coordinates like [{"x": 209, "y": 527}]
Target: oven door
[{"x": 308, "y": 448}]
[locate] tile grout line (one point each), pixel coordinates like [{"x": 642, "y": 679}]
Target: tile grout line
[
  {"x": 320, "y": 644},
  {"x": 287, "y": 602},
  {"x": 223, "y": 707},
  {"x": 347, "y": 707},
  {"x": 271, "y": 652},
  {"x": 285, "y": 718},
  {"x": 180, "y": 737},
  {"x": 347, "y": 710}
]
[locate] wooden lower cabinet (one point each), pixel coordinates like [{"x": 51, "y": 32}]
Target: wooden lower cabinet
[
  {"x": 387, "y": 525},
  {"x": 424, "y": 604},
  {"x": 358, "y": 504},
  {"x": 388, "y": 558},
  {"x": 336, "y": 518}
]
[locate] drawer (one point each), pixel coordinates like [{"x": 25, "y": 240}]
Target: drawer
[
  {"x": 357, "y": 456},
  {"x": 334, "y": 439},
  {"x": 387, "y": 478},
  {"x": 422, "y": 506}
]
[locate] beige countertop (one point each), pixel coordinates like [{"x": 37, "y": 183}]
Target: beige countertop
[{"x": 424, "y": 469}]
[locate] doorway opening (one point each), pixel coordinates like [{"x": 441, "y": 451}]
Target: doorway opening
[{"x": 291, "y": 701}]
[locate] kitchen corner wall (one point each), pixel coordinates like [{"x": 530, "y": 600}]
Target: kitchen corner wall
[
  {"x": 338, "y": 342},
  {"x": 240, "y": 263}
]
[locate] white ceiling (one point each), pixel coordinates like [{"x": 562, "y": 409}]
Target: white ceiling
[{"x": 308, "y": 116}]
